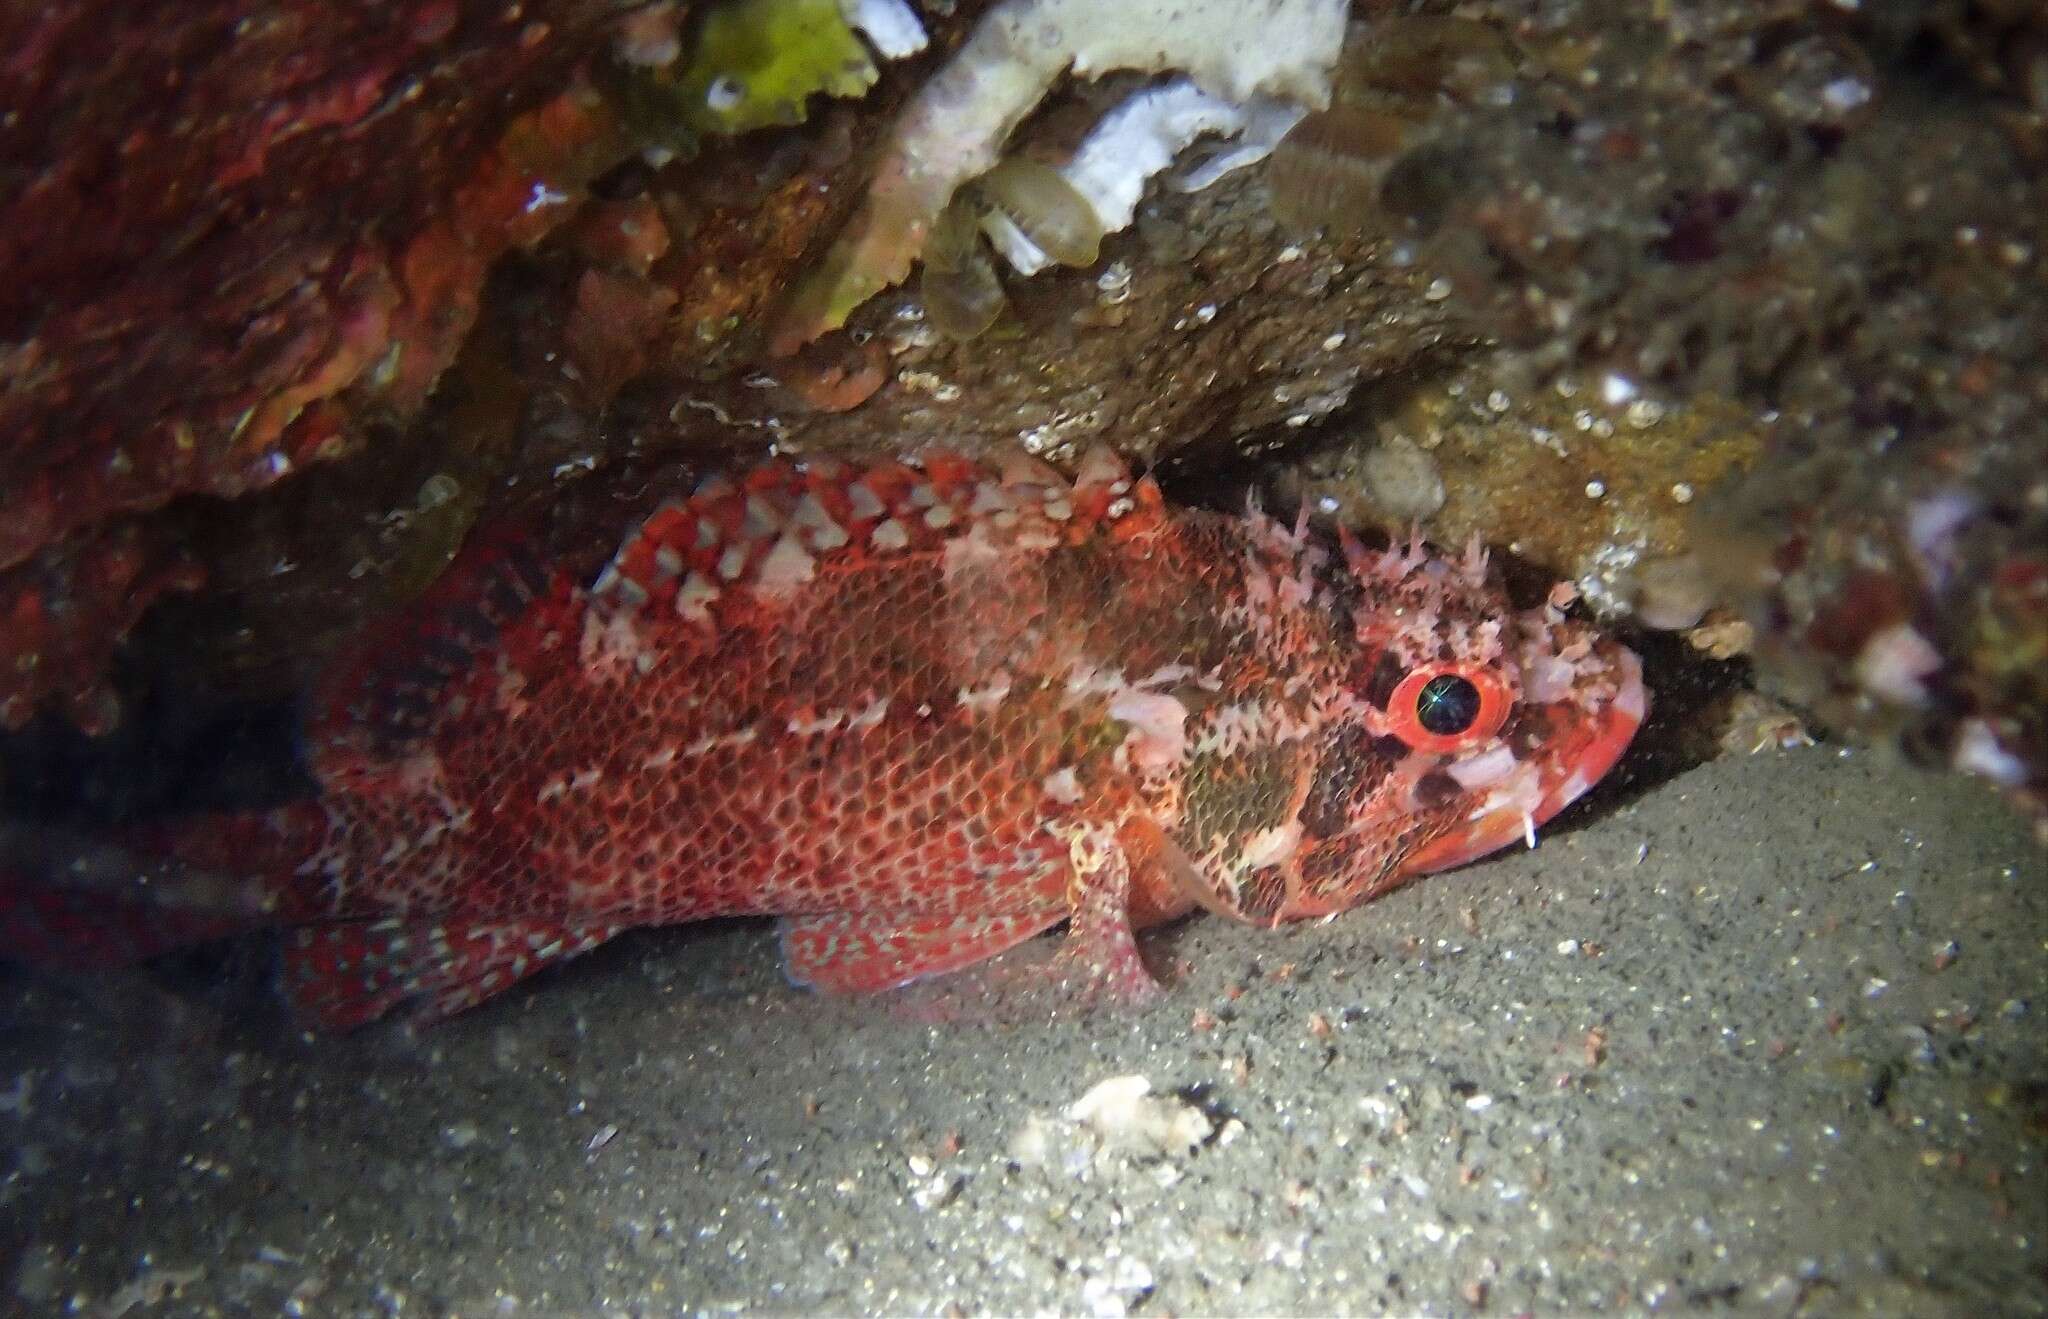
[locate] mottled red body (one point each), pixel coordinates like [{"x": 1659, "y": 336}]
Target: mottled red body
[{"x": 922, "y": 712}]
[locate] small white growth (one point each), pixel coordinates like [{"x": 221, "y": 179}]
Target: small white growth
[
  {"x": 1111, "y": 1295},
  {"x": 1113, "y": 285},
  {"x": 1570, "y": 790},
  {"x": 787, "y": 566},
  {"x": 1158, "y": 737},
  {"x": 1978, "y": 751},
  {"x": 1019, "y": 468},
  {"x": 811, "y": 725},
  {"x": 818, "y": 525},
  {"x": 1518, "y": 795},
  {"x": 1100, "y": 466},
  {"x": 1084, "y": 679},
  {"x": 1117, "y": 1122},
  {"x": 733, "y": 562},
  {"x": 1894, "y": 663},
  {"x": 981, "y": 700},
  {"x": 1063, "y": 786},
  {"x": 1546, "y": 678},
  {"x": 889, "y": 535},
  {"x": 1933, "y": 528},
  {"x": 722, "y": 741},
  {"x": 864, "y": 502},
  {"x": 1484, "y": 770},
  {"x": 1265, "y": 123},
  {"x": 1632, "y": 700},
  {"x": 724, "y": 93},
  {"x": 694, "y": 597},
  {"x": 1015, "y": 246},
  {"x": 1166, "y": 675},
  {"x": 890, "y": 26},
  {"x": 612, "y": 641},
  {"x": 511, "y": 690},
  {"x": 1127, "y": 1118},
  {"x": 869, "y": 717},
  {"x": 1270, "y": 847},
  {"x": 1141, "y": 137}
]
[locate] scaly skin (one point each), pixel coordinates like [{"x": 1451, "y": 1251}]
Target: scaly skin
[{"x": 923, "y": 712}]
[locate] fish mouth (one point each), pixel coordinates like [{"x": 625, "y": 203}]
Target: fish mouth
[
  {"x": 1526, "y": 799},
  {"x": 1612, "y": 731},
  {"x": 1539, "y": 791}
]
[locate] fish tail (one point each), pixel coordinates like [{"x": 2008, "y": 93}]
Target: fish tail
[
  {"x": 73, "y": 902},
  {"x": 346, "y": 974}
]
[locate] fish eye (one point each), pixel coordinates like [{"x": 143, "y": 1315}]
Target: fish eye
[{"x": 1448, "y": 707}]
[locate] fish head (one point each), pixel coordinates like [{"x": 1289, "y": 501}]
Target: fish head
[{"x": 1462, "y": 725}]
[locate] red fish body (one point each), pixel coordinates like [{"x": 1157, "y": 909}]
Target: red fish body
[{"x": 921, "y": 711}]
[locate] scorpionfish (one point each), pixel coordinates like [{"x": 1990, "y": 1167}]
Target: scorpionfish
[{"x": 922, "y": 711}]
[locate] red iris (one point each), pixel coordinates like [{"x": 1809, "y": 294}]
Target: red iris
[{"x": 1448, "y": 707}]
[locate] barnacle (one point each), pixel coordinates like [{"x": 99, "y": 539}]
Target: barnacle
[
  {"x": 1420, "y": 56},
  {"x": 1368, "y": 165},
  {"x": 954, "y": 129},
  {"x": 1133, "y": 142},
  {"x": 1329, "y": 171},
  {"x": 1046, "y": 210},
  {"x": 962, "y": 295}
]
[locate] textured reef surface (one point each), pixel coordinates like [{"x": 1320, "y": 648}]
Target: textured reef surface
[{"x": 1728, "y": 315}]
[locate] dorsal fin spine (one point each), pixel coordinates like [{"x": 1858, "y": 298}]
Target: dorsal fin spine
[
  {"x": 393, "y": 680},
  {"x": 761, "y": 529}
]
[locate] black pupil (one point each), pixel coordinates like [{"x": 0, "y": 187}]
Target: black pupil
[{"x": 1447, "y": 705}]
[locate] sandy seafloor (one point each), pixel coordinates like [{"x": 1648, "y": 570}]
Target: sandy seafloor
[{"x": 1769, "y": 1038}]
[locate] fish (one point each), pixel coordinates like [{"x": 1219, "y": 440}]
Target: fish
[{"x": 921, "y": 710}]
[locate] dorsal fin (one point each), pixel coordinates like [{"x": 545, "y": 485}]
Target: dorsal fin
[
  {"x": 385, "y": 691},
  {"x": 767, "y": 531}
]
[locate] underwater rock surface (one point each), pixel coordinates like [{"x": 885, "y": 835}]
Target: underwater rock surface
[
  {"x": 1578, "y": 267},
  {"x": 1559, "y": 274},
  {"x": 1727, "y": 313}
]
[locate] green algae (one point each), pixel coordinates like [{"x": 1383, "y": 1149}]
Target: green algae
[{"x": 753, "y": 64}]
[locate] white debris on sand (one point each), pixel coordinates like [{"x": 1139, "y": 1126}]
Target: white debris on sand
[{"x": 1117, "y": 1119}]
